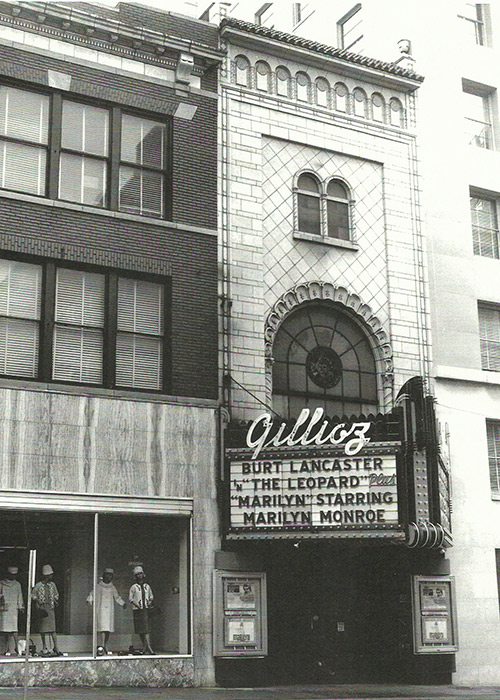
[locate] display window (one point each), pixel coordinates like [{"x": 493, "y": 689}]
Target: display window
[{"x": 105, "y": 584}]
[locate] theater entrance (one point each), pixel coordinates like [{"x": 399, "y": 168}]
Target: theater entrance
[{"x": 336, "y": 612}]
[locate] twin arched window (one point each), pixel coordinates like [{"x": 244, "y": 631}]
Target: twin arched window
[
  {"x": 323, "y": 209},
  {"x": 323, "y": 358}
]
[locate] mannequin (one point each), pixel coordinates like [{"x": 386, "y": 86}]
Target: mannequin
[
  {"x": 46, "y": 597},
  {"x": 141, "y": 599},
  {"x": 106, "y": 596},
  {"x": 10, "y": 591}
]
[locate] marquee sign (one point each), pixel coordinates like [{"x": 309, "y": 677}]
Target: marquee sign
[{"x": 316, "y": 479}]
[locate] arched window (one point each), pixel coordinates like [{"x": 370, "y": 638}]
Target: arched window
[
  {"x": 242, "y": 69},
  {"x": 308, "y": 204},
  {"x": 360, "y": 102},
  {"x": 322, "y": 357},
  {"x": 303, "y": 83},
  {"x": 337, "y": 209},
  {"x": 262, "y": 76},
  {"x": 378, "y": 107},
  {"x": 396, "y": 112},
  {"x": 322, "y": 92},
  {"x": 283, "y": 81},
  {"x": 341, "y": 93}
]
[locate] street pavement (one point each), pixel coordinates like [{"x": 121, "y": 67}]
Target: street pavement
[{"x": 310, "y": 692}]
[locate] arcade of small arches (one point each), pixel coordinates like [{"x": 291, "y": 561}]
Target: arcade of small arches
[{"x": 318, "y": 92}]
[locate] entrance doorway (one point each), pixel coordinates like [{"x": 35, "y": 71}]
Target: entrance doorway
[{"x": 335, "y": 612}]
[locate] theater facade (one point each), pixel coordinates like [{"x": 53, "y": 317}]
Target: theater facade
[{"x": 334, "y": 484}]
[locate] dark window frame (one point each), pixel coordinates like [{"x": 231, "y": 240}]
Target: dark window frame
[
  {"x": 47, "y": 322},
  {"x": 54, "y": 148}
]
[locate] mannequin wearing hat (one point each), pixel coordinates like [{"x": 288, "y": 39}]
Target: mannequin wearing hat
[
  {"x": 12, "y": 602},
  {"x": 46, "y": 597},
  {"x": 141, "y": 598},
  {"x": 106, "y": 596}
]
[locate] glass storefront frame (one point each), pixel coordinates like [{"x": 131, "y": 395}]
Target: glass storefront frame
[{"x": 176, "y": 510}]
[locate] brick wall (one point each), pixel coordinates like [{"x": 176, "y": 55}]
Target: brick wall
[{"x": 82, "y": 236}]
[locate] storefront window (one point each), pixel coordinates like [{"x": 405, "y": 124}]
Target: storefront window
[{"x": 75, "y": 614}]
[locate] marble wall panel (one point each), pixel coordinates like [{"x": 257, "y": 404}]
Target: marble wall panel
[
  {"x": 109, "y": 446},
  {"x": 152, "y": 673}
]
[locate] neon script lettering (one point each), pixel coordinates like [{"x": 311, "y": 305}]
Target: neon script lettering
[{"x": 314, "y": 433}]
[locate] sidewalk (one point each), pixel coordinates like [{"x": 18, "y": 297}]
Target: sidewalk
[{"x": 318, "y": 692}]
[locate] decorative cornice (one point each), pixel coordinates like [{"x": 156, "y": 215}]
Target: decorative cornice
[
  {"x": 312, "y": 52},
  {"x": 106, "y": 33}
]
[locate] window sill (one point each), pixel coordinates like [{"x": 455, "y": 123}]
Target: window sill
[
  {"x": 101, "y": 392},
  {"x": 59, "y": 204},
  {"x": 335, "y": 242}
]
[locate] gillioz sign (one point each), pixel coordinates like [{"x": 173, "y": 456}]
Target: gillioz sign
[{"x": 308, "y": 430}]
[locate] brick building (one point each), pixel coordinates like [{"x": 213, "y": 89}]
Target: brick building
[
  {"x": 108, "y": 283},
  {"x": 326, "y": 309}
]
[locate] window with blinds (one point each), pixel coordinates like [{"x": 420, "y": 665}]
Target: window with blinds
[
  {"x": 489, "y": 335},
  {"x": 142, "y": 180},
  {"x": 87, "y": 326},
  {"x": 20, "y": 302},
  {"x": 493, "y": 435},
  {"x": 484, "y": 221},
  {"x": 99, "y": 157},
  {"x": 78, "y": 327},
  {"x": 24, "y": 137},
  {"x": 139, "y": 338},
  {"x": 84, "y": 153}
]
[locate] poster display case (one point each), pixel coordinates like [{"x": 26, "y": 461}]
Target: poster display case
[
  {"x": 240, "y": 619},
  {"x": 434, "y": 615}
]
